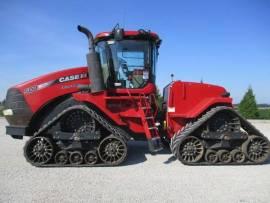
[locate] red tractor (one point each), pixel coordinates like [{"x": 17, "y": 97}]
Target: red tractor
[{"x": 86, "y": 115}]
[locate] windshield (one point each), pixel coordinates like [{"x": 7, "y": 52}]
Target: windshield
[{"x": 127, "y": 63}]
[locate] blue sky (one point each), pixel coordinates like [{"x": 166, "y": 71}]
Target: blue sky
[{"x": 222, "y": 42}]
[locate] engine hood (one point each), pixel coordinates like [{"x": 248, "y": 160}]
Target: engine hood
[
  {"x": 189, "y": 99},
  {"x": 66, "y": 75},
  {"x": 43, "y": 89}
]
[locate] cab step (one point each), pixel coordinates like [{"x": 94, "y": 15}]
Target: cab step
[
  {"x": 155, "y": 145},
  {"x": 152, "y": 128}
]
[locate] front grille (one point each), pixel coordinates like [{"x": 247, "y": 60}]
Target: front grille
[{"x": 21, "y": 111}]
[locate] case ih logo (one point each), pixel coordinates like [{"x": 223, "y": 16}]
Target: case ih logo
[
  {"x": 63, "y": 79},
  {"x": 73, "y": 77}
]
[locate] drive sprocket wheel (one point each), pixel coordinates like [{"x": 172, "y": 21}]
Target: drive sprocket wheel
[
  {"x": 77, "y": 119},
  {"x": 257, "y": 149},
  {"x": 238, "y": 156},
  {"x": 38, "y": 150},
  {"x": 91, "y": 158},
  {"x": 76, "y": 158},
  {"x": 190, "y": 150},
  {"x": 112, "y": 150},
  {"x": 61, "y": 157},
  {"x": 224, "y": 156},
  {"x": 211, "y": 156}
]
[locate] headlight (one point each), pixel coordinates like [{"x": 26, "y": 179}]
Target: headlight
[{"x": 8, "y": 112}]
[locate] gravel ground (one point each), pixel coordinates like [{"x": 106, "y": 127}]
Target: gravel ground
[{"x": 142, "y": 178}]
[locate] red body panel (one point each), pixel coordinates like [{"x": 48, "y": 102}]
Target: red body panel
[
  {"x": 120, "y": 105},
  {"x": 39, "y": 91},
  {"x": 187, "y": 100}
]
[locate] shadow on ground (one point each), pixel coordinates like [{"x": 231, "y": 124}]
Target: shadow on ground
[{"x": 137, "y": 151}]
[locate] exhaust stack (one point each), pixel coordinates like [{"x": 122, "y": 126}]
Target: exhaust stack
[{"x": 93, "y": 63}]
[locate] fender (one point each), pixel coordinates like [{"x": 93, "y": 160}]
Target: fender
[
  {"x": 98, "y": 101},
  {"x": 207, "y": 103},
  {"x": 114, "y": 109}
]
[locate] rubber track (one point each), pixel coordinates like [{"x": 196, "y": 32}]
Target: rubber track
[
  {"x": 102, "y": 121},
  {"x": 93, "y": 114},
  {"x": 192, "y": 126}
]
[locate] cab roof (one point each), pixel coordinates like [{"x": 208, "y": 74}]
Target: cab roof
[{"x": 130, "y": 34}]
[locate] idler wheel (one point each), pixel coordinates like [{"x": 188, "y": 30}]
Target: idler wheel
[
  {"x": 38, "y": 150},
  {"x": 257, "y": 149},
  {"x": 190, "y": 150},
  {"x": 112, "y": 150}
]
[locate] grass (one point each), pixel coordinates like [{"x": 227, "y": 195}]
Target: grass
[
  {"x": 264, "y": 114},
  {"x": 1, "y": 110}
]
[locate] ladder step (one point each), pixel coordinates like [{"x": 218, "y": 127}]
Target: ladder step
[
  {"x": 146, "y": 107},
  {"x": 151, "y": 117},
  {"x": 151, "y": 128},
  {"x": 155, "y": 145}
]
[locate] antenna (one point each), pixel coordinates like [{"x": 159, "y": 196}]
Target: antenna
[
  {"x": 172, "y": 75},
  {"x": 116, "y": 26},
  {"x": 202, "y": 80}
]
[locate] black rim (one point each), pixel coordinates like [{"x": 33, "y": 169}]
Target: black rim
[
  {"x": 258, "y": 149},
  {"x": 191, "y": 150},
  {"x": 61, "y": 157},
  {"x": 112, "y": 150},
  {"x": 39, "y": 150},
  {"x": 90, "y": 157},
  {"x": 76, "y": 158}
]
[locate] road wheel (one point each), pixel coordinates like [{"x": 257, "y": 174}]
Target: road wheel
[
  {"x": 238, "y": 156},
  {"x": 76, "y": 158},
  {"x": 91, "y": 158},
  {"x": 61, "y": 157},
  {"x": 224, "y": 156},
  {"x": 211, "y": 156}
]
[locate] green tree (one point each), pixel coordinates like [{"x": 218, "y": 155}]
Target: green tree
[
  {"x": 248, "y": 106},
  {"x": 1, "y": 107}
]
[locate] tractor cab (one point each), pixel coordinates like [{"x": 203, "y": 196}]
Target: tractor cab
[{"x": 124, "y": 59}]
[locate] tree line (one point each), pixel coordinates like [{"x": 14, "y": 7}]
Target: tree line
[{"x": 249, "y": 109}]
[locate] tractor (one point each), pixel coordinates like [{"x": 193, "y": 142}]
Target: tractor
[{"x": 85, "y": 116}]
